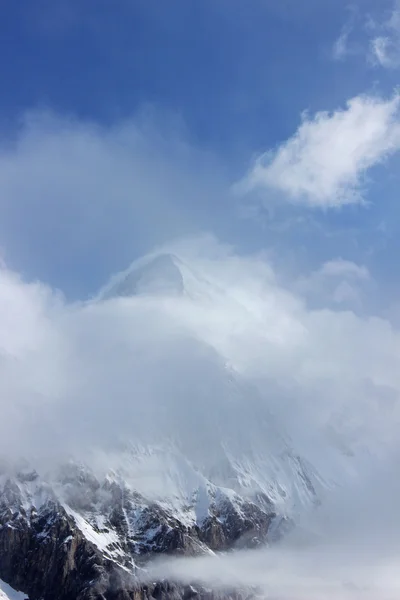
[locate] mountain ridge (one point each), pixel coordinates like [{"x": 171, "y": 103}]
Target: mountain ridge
[{"x": 85, "y": 538}]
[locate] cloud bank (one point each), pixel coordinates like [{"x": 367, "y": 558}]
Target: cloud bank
[
  {"x": 329, "y": 573},
  {"x": 82, "y": 376}
]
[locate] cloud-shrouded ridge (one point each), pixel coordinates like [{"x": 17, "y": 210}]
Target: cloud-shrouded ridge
[
  {"x": 226, "y": 355},
  {"x": 324, "y": 164}
]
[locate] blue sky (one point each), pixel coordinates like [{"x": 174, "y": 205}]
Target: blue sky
[
  {"x": 127, "y": 123},
  {"x": 238, "y": 73}
]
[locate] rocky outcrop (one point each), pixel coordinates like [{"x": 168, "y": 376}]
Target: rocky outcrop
[
  {"x": 46, "y": 556},
  {"x": 235, "y": 523},
  {"x": 82, "y": 539}
]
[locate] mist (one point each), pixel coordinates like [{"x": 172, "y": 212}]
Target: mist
[
  {"x": 106, "y": 368},
  {"x": 323, "y": 572}
]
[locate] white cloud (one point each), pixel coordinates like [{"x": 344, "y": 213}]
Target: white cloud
[
  {"x": 340, "y": 267},
  {"x": 310, "y": 572},
  {"x": 347, "y": 43},
  {"x": 338, "y": 281},
  {"x": 85, "y": 375},
  {"x": 385, "y": 48},
  {"x": 377, "y": 39},
  {"x": 381, "y": 51},
  {"x": 324, "y": 163},
  {"x": 341, "y": 46}
]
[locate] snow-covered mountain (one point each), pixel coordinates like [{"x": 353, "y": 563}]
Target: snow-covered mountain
[
  {"x": 72, "y": 535},
  {"x": 244, "y": 443},
  {"x": 161, "y": 273},
  {"x": 209, "y": 461}
]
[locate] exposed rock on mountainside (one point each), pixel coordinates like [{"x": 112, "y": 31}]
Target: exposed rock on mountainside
[{"x": 81, "y": 538}]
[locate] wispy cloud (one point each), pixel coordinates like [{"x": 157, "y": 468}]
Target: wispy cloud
[
  {"x": 329, "y": 566},
  {"x": 337, "y": 281},
  {"x": 346, "y": 550},
  {"x": 323, "y": 165},
  {"x": 385, "y": 47},
  {"x": 340, "y": 45},
  {"x": 375, "y": 38},
  {"x": 340, "y": 48}
]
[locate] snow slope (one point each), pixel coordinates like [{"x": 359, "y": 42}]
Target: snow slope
[
  {"x": 159, "y": 274},
  {"x": 7, "y": 593},
  {"x": 245, "y": 441}
]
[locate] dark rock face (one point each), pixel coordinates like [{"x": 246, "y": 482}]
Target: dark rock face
[
  {"x": 87, "y": 539},
  {"x": 45, "y": 555},
  {"x": 230, "y": 526}
]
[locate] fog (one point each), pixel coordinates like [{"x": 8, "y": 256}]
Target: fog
[{"x": 341, "y": 573}]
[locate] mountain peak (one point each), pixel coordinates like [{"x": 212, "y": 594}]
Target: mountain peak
[{"x": 154, "y": 274}]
